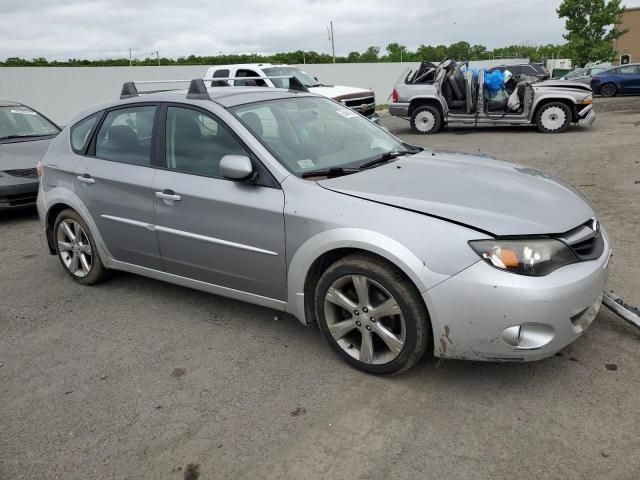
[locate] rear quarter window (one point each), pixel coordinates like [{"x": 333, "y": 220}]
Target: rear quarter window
[{"x": 81, "y": 132}]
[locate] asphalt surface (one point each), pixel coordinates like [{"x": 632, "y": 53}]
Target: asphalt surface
[{"x": 135, "y": 378}]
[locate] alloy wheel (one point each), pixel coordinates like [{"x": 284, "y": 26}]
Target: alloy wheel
[
  {"x": 553, "y": 118},
  {"x": 365, "y": 319},
  {"x": 425, "y": 121},
  {"x": 74, "y": 248}
]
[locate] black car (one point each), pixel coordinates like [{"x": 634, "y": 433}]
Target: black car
[
  {"x": 529, "y": 69},
  {"x": 24, "y": 138}
]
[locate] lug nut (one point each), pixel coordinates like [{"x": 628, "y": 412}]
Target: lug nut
[
  {"x": 356, "y": 312},
  {"x": 358, "y": 323},
  {"x": 373, "y": 320},
  {"x": 365, "y": 309},
  {"x": 369, "y": 327}
]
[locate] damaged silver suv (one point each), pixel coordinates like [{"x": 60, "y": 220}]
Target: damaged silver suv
[{"x": 452, "y": 93}]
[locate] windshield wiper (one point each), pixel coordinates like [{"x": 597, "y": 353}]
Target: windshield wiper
[
  {"x": 330, "y": 172},
  {"x": 384, "y": 158},
  {"x": 32, "y": 135}
]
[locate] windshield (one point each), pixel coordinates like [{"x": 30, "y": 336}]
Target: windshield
[
  {"x": 304, "y": 78},
  {"x": 309, "y": 134},
  {"x": 20, "y": 121}
]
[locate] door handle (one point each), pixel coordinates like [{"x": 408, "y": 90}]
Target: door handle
[
  {"x": 86, "y": 178},
  {"x": 169, "y": 195}
]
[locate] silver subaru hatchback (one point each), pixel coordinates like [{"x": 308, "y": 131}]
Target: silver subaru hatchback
[{"x": 291, "y": 201}]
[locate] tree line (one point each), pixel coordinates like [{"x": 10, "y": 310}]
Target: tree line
[{"x": 394, "y": 52}]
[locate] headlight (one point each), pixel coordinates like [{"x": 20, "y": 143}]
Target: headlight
[{"x": 535, "y": 257}]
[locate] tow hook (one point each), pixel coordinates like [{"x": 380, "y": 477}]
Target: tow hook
[{"x": 628, "y": 313}]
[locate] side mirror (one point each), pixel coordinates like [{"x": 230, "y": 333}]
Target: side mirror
[{"x": 236, "y": 167}]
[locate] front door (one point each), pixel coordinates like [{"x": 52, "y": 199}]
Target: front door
[
  {"x": 218, "y": 231},
  {"x": 114, "y": 183}
]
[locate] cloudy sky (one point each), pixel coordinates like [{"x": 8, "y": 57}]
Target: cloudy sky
[{"x": 60, "y": 29}]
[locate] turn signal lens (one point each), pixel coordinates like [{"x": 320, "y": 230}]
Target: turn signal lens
[
  {"x": 534, "y": 257},
  {"x": 39, "y": 169},
  {"x": 587, "y": 101}
]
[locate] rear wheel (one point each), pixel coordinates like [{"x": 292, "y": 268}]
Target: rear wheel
[
  {"x": 608, "y": 90},
  {"x": 372, "y": 315},
  {"x": 553, "y": 118},
  {"x": 426, "y": 120},
  {"x": 76, "y": 248}
]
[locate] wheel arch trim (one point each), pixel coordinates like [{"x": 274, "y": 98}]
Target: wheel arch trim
[{"x": 357, "y": 239}]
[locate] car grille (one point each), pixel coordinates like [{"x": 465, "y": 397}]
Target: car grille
[
  {"x": 23, "y": 172},
  {"x": 363, "y": 105},
  {"x": 18, "y": 200},
  {"x": 586, "y": 240}
]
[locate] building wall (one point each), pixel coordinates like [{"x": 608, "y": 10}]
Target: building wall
[
  {"x": 61, "y": 92},
  {"x": 629, "y": 43}
]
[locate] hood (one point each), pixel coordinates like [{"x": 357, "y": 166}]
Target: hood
[
  {"x": 338, "y": 92},
  {"x": 23, "y": 154},
  {"x": 496, "y": 197},
  {"x": 563, "y": 84}
]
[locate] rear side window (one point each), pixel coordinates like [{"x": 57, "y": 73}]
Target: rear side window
[
  {"x": 80, "y": 133},
  {"x": 220, "y": 74},
  {"x": 252, "y": 82},
  {"x": 125, "y": 135}
]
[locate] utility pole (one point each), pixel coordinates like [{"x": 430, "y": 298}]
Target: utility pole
[
  {"x": 304, "y": 58},
  {"x": 130, "y": 61},
  {"x": 333, "y": 47},
  {"x": 157, "y": 56}
]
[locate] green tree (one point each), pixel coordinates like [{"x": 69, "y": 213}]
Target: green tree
[
  {"x": 591, "y": 28},
  {"x": 370, "y": 55}
]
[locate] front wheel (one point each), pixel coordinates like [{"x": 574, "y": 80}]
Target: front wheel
[
  {"x": 553, "y": 118},
  {"x": 372, "y": 315},
  {"x": 76, "y": 248},
  {"x": 425, "y": 120}
]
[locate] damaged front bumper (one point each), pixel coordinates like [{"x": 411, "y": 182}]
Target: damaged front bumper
[
  {"x": 586, "y": 116},
  {"x": 483, "y": 313}
]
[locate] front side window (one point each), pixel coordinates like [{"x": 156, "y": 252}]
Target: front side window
[
  {"x": 310, "y": 133},
  {"x": 196, "y": 142},
  {"x": 23, "y": 122},
  {"x": 125, "y": 135},
  {"x": 80, "y": 132}
]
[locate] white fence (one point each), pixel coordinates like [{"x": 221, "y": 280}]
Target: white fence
[{"x": 61, "y": 92}]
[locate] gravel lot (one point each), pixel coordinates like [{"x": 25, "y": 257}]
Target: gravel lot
[{"x": 138, "y": 379}]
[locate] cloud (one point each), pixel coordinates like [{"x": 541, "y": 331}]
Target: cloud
[{"x": 108, "y": 28}]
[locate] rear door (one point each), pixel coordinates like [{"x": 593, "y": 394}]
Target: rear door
[
  {"x": 114, "y": 182},
  {"x": 218, "y": 231}
]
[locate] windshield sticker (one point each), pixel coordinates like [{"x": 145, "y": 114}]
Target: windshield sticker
[
  {"x": 346, "y": 113},
  {"x": 24, "y": 112},
  {"x": 307, "y": 163}
]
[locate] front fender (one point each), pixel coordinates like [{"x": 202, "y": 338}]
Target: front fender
[{"x": 357, "y": 238}]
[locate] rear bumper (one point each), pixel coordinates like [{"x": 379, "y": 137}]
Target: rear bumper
[
  {"x": 20, "y": 194},
  {"x": 483, "y": 313},
  {"x": 400, "y": 109}
]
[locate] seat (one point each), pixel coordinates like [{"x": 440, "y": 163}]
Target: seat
[
  {"x": 122, "y": 144},
  {"x": 253, "y": 122}
]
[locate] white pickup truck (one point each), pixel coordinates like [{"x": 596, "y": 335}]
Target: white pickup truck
[{"x": 361, "y": 100}]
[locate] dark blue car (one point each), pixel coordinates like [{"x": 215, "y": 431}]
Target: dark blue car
[{"x": 622, "y": 79}]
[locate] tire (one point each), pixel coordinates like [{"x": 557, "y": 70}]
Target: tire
[
  {"x": 350, "y": 326},
  {"x": 73, "y": 240},
  {"x": 425, "y": 120},
  {"x": 608, "y": 90},
  {"x": 554, "y": 117}
]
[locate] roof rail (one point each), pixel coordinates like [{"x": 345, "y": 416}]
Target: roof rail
[{"x": 197, "y": 87}]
